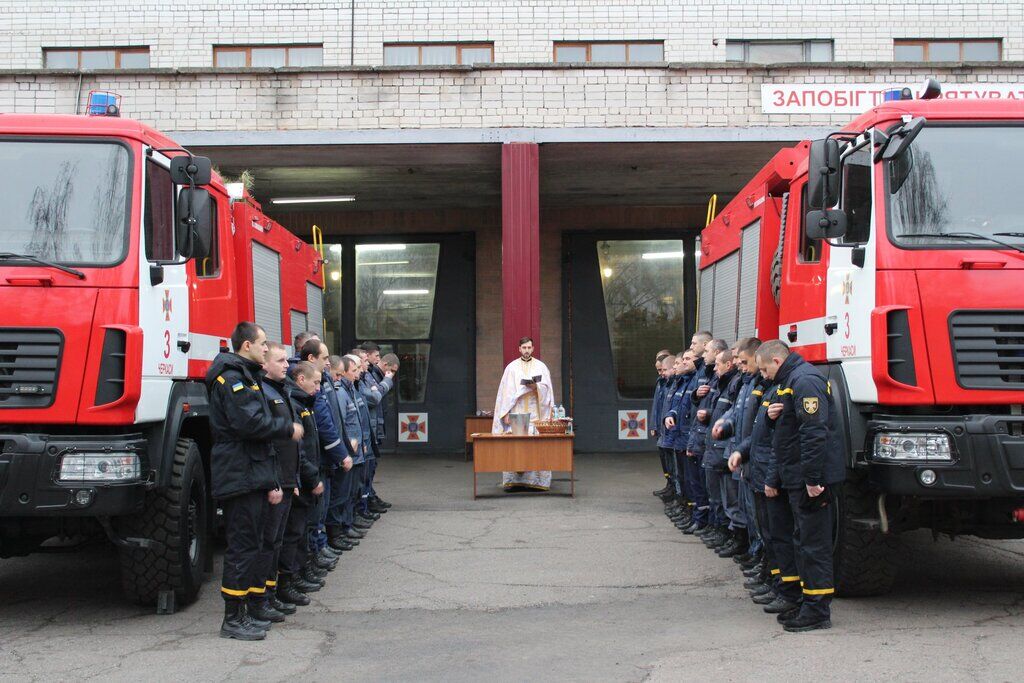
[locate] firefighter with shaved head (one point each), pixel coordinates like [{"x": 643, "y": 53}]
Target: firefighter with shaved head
[{"x": 803, "y": 487}]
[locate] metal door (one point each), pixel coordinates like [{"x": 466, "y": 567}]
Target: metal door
[{"x": 607, "y": 391}]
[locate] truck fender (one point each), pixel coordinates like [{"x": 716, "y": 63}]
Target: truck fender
[
  {"x": 853, "y": 424},
  {"x": 192, "y": 423}
]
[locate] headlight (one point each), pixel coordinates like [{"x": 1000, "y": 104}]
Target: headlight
[
  {"x": 80, "y": 467},
  {"x": 913, "y": 446}
]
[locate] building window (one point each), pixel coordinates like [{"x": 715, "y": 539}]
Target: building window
[
  {"x": 947, "y": 50},
  {"x": 647, "y": 51},
  {"x": 402, "y": 54},
  {"x": 642, "y": 282},
  {"x": 96, "y": 58},
  {"x": 777, "y": 51},
  {"x": 272, "y": 56}
]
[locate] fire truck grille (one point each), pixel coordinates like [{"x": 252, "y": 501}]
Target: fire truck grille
[
  {"x": 988, "y": 349},
  {"x": 29, "y": 360}
]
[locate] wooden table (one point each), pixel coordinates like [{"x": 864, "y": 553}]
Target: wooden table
[
  {"x": 508, "y": 453},
  {"x": 476, "y": 424}
]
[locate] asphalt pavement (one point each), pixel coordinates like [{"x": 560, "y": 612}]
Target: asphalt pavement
[{"x": 525, "y": 587}]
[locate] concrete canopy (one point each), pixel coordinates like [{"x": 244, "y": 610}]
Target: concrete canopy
[{"x": 468, "y": 175}]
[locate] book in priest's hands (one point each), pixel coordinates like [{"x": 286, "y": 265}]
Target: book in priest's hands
[{"x": 530, "y": 380}]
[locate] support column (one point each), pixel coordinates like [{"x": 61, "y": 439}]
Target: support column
[{"x": 520, "y": 246}]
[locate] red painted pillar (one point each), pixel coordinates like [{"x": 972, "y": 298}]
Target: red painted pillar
[{"x": 520, "y": 246}]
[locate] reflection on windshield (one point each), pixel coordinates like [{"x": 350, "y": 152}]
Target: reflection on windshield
[
  {"x": 956, "y": 179},
  {"x": 64, "y": 202}
]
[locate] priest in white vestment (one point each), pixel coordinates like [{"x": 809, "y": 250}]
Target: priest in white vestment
[{"x": 521, "y": 392}]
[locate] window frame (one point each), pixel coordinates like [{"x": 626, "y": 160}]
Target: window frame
[
  {"x": 588, "y": 44},
  {"x": 147, "y": 232},
  {"x": 805, "y": 45},
  {"x": 459, "y": 47},
  {"x": 118, "y": 51},
  {"x": 924, "y": 44},
  {"x": 249, "y": 47}
]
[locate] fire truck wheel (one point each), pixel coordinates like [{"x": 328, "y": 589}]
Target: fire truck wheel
[
  {"x": 864, "y": 558},
  {"x": 176, "y": 516}
]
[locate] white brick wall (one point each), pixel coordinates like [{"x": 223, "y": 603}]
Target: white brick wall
[
  {"x": 182, "y": 34},
  {"x": 360, "y": 99}
]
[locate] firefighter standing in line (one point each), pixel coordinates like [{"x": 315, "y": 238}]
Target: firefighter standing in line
[
  {"x": 810, "y": 466},
  {"x": 243, "y": 469}
]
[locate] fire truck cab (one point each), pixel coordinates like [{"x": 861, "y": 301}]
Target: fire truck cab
[
  {"x": 125, "y": 263},
  {"x": 891, "y": 254}
]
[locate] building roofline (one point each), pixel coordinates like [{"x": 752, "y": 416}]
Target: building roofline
[{"x": 455, "y": 136}]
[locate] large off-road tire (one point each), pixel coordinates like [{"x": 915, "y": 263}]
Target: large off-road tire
[
  {"x": 864, "y": 558},
  {"x": 177, "y": 517}
]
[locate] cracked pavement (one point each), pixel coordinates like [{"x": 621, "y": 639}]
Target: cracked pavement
[{"x": 521, "y": 587}]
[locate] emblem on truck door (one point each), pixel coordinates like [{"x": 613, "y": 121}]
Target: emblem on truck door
[{"x": 166, "y": 305}]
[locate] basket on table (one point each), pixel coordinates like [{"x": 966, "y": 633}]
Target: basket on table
[{"x": 550, "y": 426}]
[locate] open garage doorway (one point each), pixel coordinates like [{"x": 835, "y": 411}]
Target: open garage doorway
[{"x": 414, "y": 298}]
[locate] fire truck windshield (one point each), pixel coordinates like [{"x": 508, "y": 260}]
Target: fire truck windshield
[
  {"x": 64, "y": 202},
  {"x": 957, "y": 181}
]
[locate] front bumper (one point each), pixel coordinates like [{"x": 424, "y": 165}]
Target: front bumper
[
  {"x": 29, "y": 486},
  {"x": 988, "y": 458}
]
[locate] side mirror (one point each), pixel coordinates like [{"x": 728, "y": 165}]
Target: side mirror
[
  {"x": 186, "y": 170},
  {"x": 828, "y": 224},
  {"x": 900, "y": 139},
  {"x": 823, "y": 174},
  {"x": 194, "y": 228}
]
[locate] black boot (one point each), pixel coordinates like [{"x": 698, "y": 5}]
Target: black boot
[
  {"x": 740, "y": 544},
  {"x": 661, "y": 492},
  {"x": 336, "y": 539},
  {"x": 300, "y": 584},
  {"x": 323, "y": 563},
  {"x": 803, "y": 622},
  {"x": 235, "y": 625},
  {"x": 310, "y": 577},
  {"x": 374, "y": 506},
  {"x": 248, "y": 617},
  {"x": 260, "y": 609},
  {"x": 285, "y": 608},
  {"x": 380, "y": 502},
  {"x": 287, "y": 591}
]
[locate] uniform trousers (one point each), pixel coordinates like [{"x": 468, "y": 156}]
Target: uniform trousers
[
  {"x": 270, "y": 545},
  {"x": 782, "y": 531},
  {"x": 693, "y": 477},
  {"x": 814, "y": 533},
  {"x": 746, "y": 501},
  {"x": 713, "y": 476},
  {"x": 760, "y": 507},
  {"x": 679, "y": 457},
  {"x": 339, "y": 509},
  {"x": 244, "y": 517},
  {"x": 295, "y": 548}
]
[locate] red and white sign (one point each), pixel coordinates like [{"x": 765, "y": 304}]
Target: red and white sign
[
  {"x": 855, "y": 98},
  {"x": 632, "y": 424},
  {"x": 412, "y": 427}
]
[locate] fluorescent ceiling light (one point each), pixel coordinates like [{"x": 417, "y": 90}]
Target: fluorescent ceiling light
[
  {"x": 400, "y": 274},
  {"x": 313, "y": 200},
  {"x": 401, "y": 292},
  {"x": 380, "y": 247},
  {"x": 651, "y": 256},
  {"x": 384, "y": 263}
]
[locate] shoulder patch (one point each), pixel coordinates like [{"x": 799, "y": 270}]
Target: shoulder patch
[
  {"x": 255, "y": 387},
  {"x": 305, "y": 413},
  {"x": 220, "y": 379},
  {"x": 278, "y": 401},
  {"x": 811, "y": 405},
  {"x": 237, "y": 386}
]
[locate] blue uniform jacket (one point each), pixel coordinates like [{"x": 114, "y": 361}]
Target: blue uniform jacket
[
  {"x": 654, "y": 423},
  {"x": 665, "y": 439},
  {"x": 356, "y": 419},
  {"x": 679, "y": 410},
  {"x": 739, "y": 420},
  {"x": 328, "y": 424},
  {"x": 725, "y": 390},
  {"x": 757, "y": 450},
  {"x": 699, "y": 430},
  {"x": 374, "y": 390}
]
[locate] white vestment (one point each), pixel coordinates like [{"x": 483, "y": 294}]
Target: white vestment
[{"x": 514, "y": 397}]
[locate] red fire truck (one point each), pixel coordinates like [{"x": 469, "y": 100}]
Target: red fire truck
[
  {"x": 125, "y": 263},
  {"x": 890, "y": 254}
]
